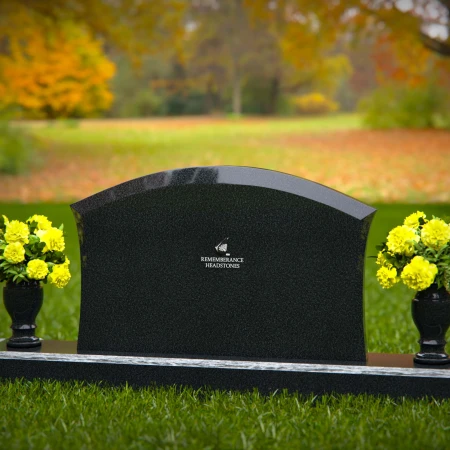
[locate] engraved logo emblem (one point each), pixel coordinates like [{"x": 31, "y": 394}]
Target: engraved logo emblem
[
  {"x": 222, "y": 247},
  {"x": 223, "y": 260}
]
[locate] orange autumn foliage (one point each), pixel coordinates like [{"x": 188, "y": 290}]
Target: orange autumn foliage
[
  {"x": 409, "y": 63},
  {"x": 56, "y": 70}
]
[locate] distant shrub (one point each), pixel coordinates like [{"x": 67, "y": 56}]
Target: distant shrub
[
  {"x": 314, "y": 103},
  {"x": 194, "y": 104},
  {"x": 285, "y": 106},
  {"x": 144, "y": 104},
  {"x": 398, "y": 106},
  {"x": 16, "y": 149}
]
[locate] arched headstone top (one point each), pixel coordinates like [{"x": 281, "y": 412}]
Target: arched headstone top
[{"x": 229, "y": 175}]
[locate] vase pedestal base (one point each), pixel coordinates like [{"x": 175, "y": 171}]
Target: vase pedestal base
[
  {"x": 432, "y": 359},
  {"x": 23, "y": 342},
  {"x": 23, "y": 337},
  {"x": 387, "y": 374}
]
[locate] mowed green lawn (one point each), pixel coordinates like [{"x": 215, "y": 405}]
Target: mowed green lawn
[{"x": 53, "y": 415}]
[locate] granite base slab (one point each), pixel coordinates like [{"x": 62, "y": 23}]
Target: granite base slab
[{"x": 391, "y": 374}]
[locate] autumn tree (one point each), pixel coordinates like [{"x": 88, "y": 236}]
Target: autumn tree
[
  {"x": 413, "y": 78},
  {"x": 52, "y": 59},
  {"x": 400, "y": 31},
  {"x": 420, "y": 20},
  {"x": 439, "y": 44},
  {"x": 53, "y": 73},
  {"x": 137, "y": 27},
  {"x": 231, "y": 43},
  {"x": 220, "y": 49}
]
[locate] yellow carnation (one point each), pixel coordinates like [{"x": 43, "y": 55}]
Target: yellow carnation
[
  {"x": 17, "y": 232},
  {"x": 60, "y": 275},
  {"x": 412, "y": 220},
  {"x": 401, "y": 240},
  {"x": 419, "y": 273},
  {"x": 42, "y": 222},
  {"x": 66, "y": 262},
  {"x": 381, "y": 259},
  {"x": 387, "y": 276},
  {"x": 37, "y": 269},
  {"x": 5, "y": 219},
  {"x": 435, "y": 233},
  {"x": 14, "y": 253},
  {"x": 53, "y": 238}
]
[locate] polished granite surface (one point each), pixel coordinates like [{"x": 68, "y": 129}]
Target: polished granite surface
[
  {"x": 385, "y": 374},
  {"x": 67, "y": 350},
  {"x": 288, "y": 283}
]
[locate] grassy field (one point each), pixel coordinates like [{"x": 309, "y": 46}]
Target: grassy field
[
  {"x": 402, "y": 166},
  {"x": 75, "y": 162},
  {"x": 44, "y": 415}
]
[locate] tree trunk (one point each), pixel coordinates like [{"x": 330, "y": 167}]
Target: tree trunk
[
  {"x": 209, "y": 98},
  {"x": 237, "y": 94},
  {"x": 274, "y": 92}
]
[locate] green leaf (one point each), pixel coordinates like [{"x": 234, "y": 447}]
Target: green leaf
[
  {"x": 441, "y": 251},
  {"x": 32, "y": 226},
  {"x": 61, "y": 227}
]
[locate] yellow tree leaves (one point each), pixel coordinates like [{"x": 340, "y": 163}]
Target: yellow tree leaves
[
  {"x": 56, "y": 71},
  {"x": 307, "y": 33},
  {"x": 135, "y": 26}
]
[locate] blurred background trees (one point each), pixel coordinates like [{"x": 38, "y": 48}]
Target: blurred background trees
[
  {"x": 139, "y": 58},
  {"x": 59, "y": 72}
]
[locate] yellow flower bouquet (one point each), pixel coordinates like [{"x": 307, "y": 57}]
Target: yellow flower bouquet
[
  {"x": 416, "y": 253},
  {"x": 32, "y": 251}
]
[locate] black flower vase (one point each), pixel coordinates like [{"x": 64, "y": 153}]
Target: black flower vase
[
  {"x": 431, "y": 314},
  {"x": 23, "y": 302}
]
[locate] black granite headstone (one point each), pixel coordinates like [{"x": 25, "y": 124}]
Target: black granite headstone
[{"x": 223, "y": 262}]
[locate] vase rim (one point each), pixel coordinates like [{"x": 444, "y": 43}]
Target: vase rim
[
  {"x": 22, "y": 285},
  {"x": 431, "y": 286}
]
